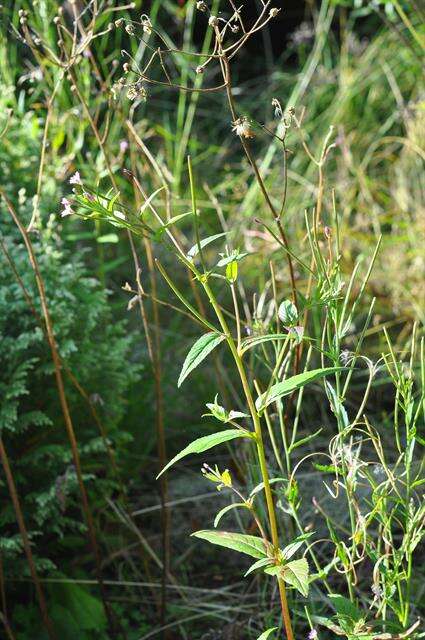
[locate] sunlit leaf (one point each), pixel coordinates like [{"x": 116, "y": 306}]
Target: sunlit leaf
[
  {"x": 225, "y": 510},
  {"x": 251, "y": 545},
  {"x": 198, "y": 352},
  {"x": 207, "y": 442},
  {"x": 262, "y": 562},
  {"x": 294, "y": 573},
  {"x": 193, "y": 252},
  {"x": 286, "y": 387},
  {"x": 266, "y": 633},
  {"x": 296, "y": 544}
]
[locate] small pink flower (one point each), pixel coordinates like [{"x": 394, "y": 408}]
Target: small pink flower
[
  {"x": 312, "y": 635},
  {"x": 75, "y": 179},
  {"x": 123, "y": 146},
  {"x": 67, "y": 209},
  {"x": 90, "y": 197}
]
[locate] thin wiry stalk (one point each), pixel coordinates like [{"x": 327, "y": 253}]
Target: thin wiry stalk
[{"x": 25, "y": 541}]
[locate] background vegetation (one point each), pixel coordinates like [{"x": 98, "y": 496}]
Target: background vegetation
[{"x": 83, "y": 523}]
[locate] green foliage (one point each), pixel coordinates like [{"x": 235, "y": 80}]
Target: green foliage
[
  {"x": 94, "y": 349},
  {"x": 207, "y": 442}
]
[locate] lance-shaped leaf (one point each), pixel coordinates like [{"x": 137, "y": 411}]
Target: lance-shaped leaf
[
  {"x": 203, "y": 243},
  {"x": 266, "y": 633},
  {"x": 199, "y": 351},
  {"x": 227, "y": 508},
  {"x": 262, "y": 562},
  {"x": 296, "y": 543},
  {"x": 251, "y": 545},
  {"x": 248, "y": 343},
  {"x": 286, "y": 387},
  {"x": 207, "y": 442}
]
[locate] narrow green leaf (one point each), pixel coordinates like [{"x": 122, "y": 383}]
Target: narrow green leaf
[
  {"x": 199, "y": 351},
  {"x": 260, "y": 486},
  {"x": 205, "y": 443},
  {"x": 177, "y": 218},
  {"x": 108, "y": 238},
  {"x": 263, "y": 562},
  {"x": 299, "y": 443},
  {"x": 293, "y": 546},
  {"x": 193, "y": 252},
  {"x": 229, "y": 507},
  {"x": 266, "y": 633},
  {"x": 251, "y": 545},
  {"x": 248, "y": 343},
  {"x": 148, "y": 201},
  {"x": 286, "y": 387}
]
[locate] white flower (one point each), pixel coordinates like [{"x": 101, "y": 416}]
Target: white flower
[
  {"x": 312, "y": 635},
  {"x": 242, "y": 127},
  {"x": 75, "y": 179},
  {"x": 274, "y": 12},
  {"x": 123, "y": 146},
  {"x": 67, "y": 209}
]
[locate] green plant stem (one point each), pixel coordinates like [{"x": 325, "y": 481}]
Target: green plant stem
[{"x": 260, "y": 448}]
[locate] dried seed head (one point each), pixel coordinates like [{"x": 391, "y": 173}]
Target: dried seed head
[
  {"x": 56, "y": 20},
  {"x": 130, "y": 29},
  {"x": 132, "y": 93},
  {"x": 213, "y": 21},
  {"x": 277, "y": 108},
  {"x": 234, "y": 28},
  {"x": 242, "y": 127},
  {"x": 202, "y": 6},
  {"x": 118, "y": 23},
  {"x": 200, "y": 69},
  {"x": 146, "y": 24},
  {"x": 273, "y": 12}
]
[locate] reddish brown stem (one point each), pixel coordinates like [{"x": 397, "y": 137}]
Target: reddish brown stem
[{"x": 25, "y": 541}]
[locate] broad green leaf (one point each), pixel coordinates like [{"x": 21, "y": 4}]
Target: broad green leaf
[
  {"x": 251, "y": 545},
  {"x": 288, "y": 313},
  {"x": 205, "y": 443},
  {"x": 345, "y": 608},
  {"x": 229, "y": 507},
  {"x": 293, "y": 546},
  {"x": 263, "y": 562},
  {"x": 193, "y": 252},
  {"x": 294, "y": 573},
  {"x": 266, "y": 633},
  {"x": 199, "y": 351},
  {"x": 286, "y": 387}
]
